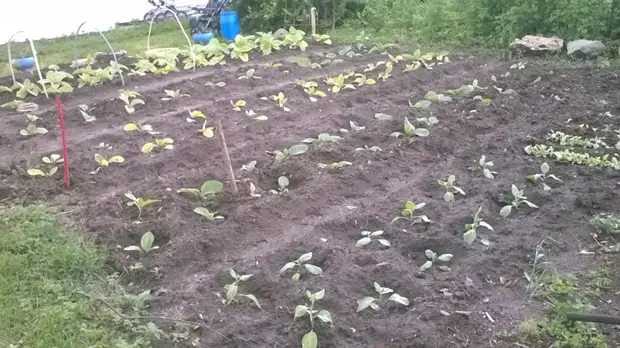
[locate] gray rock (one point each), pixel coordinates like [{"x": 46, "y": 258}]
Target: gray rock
[
  {"x": 585, "y": 48},
  {"x": 536, "y": 45}
]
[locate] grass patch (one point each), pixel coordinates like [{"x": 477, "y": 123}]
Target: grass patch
[
  {"x": 563, "y": 293},
  {"x": 130, "y": 38},
  {"x": 50, "y": 283}
]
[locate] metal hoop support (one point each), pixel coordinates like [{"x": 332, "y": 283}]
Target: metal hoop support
[
  {"x": 75, "y": 58},
  {"x": 34, "y": 54},
  {"x": 189, "y": 42}
]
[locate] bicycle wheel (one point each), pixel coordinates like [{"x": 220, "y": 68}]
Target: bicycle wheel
[
  {"x": 182, "y": 15},
  {"x": 148, "y": 16}
]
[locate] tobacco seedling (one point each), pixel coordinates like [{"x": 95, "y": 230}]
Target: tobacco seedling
[
  {"x": 238, "y": 105},
  {"x": 299, "y": 264},
  {"x": 339, "y": 83},
  {"x": 387, "y": 72},
  {"x": 376, "y": 302},
  {"x": 335, "y": 165},
  {"x": 410, "y": 131},
  {"x": 215, "y": 84},
  {"x": 371, "y": 66},
  {"x": 104, "y": 163},
  {"x": 147, "y": 128},
  {"x": 267, "y": 43},
  {"x": 241, "y": 47},
  {"x": 283, "y": 183},
  {"x": 139, "y": 202},
  {"x": 311, "y": 89},
  {"x": 232, "y": 290},
  {"x": 295, "y": 38},
  {"x": 421, "y": 104},
  {"x": 249, "y": 75},
  {"x": 83, "y": 108},
  {"x": 410, "y": 213},
  {"x": 323, "y": 137},
  {"x": 323, "y": 38},
  {"x": 53, "y": 159},
  {"x": 294, "y": 150},
  {"x": 369, "y": 148},
  {"x": 434, "y": 258},
  {"x": 253, "y": 114},
  {"x": 174, "y": 95},
  {"x": 160, "y": 143},
  {"x": 32, "y": 129},
  {"x": 56, "y": 81},
  {"x": 131, "y": 100},
  {"x": 26, "y": 88},
  {"x": 280, "y": 99},
  {"x": 544, "y": 168},
  {"x": 518, "y": 199},
  {"x": 40, "y": 172},
  {"x": 211, "y": 216},
  {"x": 207, "y": 132},
  {"x": 146, "y": 244},
  {"x": 412, "y": 67},
  {"x": 485, "y": 167},
  {"x": 368, "y": 237},
  {"x": 362, "y": 80},
  {"x": 451, "y": 189},
  {"x": 207, "y": 192},
  {"x": 310, "y": 339},
  {"x": 471, "y": 229}
]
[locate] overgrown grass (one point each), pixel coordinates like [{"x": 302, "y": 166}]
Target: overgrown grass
[
  {"x": 132, "y": 39},
  {"x": 50, "y": 283}
]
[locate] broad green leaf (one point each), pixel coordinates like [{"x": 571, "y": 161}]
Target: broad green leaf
[
  {"x": 484, "y": 224},
  {"x": 544, "y": 168},
  {"x": 191, "y": 191},
  {"x": 287, "y": 266},
  {"x": 505, "y": 211},
  {"x": 35, "y": 172},
  {"x": 318, "y": 295},
  {"x": 253, "y": 298},
  {"x": 148, "y": 147},
  {"x": 385, "y": 242},
  {"x": 232, "y": 292},
  {"x": 408, "y": 128},
  {"x": 298, "y": 149},
  {"x": 364, "y": 303},
  {"x": 211, "y": 187},
  {"x": 363, "y": 241},
  {"x": 296, "y": 276},
  {"x": 445, "y": 257},
  {"x": 116, "y": 159},
  {"x": 313, "y": 269},
  {"x": 283, "y": 182},
  {"x": 305, "y": 257},
  {"x": 429, "y": 254},
  {"x": 133, "y": 248},
  {"x": 233, "y": 273},
  {"x": 470, "y": 236},
  {"x": 487, "y": 173},
  {"x": 130, "y": 127},
  {"x": 146, "y": 242},
  {"x": 400, "y": 299},
  {"x": 245, "y": 277},
  {"x": 309, "y": 340},
  {"x": 325, "y": 316},
  {"x": 428, "y": 264},
  {"x": 421, "y": 132},
  {"x": 448, "y": 197},
  {"x": 422, "y": 104},
  {"x": 410, "y": 205},
  {"x": 300, "y": 311}
]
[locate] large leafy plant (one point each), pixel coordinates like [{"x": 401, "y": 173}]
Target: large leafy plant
[
  {"x": 241, "y": 47},
  {"x": 267, "y": 42},
  {"x": 295, "y": 38}
]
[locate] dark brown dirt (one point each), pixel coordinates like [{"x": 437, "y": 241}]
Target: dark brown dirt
[{"x": 324, "y": 212}]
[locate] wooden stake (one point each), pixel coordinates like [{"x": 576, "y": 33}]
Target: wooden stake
[
  {"x": 227, "y": 162},
  {"x": 313, "y": 20}
]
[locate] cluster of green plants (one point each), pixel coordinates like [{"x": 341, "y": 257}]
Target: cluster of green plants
[{"x": 573, "y": 156}]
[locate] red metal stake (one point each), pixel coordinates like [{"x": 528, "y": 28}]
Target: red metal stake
[{"x": 63, "y": 133}]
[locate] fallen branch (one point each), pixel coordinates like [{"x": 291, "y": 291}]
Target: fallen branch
[
  {"x": 227, "y": 161},
  {"x": 593, "y": 318}
]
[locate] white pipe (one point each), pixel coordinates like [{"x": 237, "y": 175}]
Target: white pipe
[
  {"x": 189, "y": 42},
  {"x": 34, "y": 55},
  {"x": 106, "y": 41}
]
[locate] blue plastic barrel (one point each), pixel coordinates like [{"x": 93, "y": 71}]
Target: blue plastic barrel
[
  {"x": 23, "y": 63},
  {"x": 229, "y": 25}
]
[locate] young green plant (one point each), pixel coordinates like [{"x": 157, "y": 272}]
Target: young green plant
[
  {"x": 232, "y": 289},
  {"x": 131, "y": 100},
  {"x": 238, "y": 105},
  {"x": 147, "y": 128},
  {"x": 301, "y": 263},
  {"x": 322, "y": 138},
  {"x": 159, "y": 144},
  {"x": 139, "y": 202},
  {"x": 32, "y": 129},
  {"x": 250, "y": 75},
  {"x": 376, "y": 302},
  {"x": 409, "y": 213},
  {"x": 241, "y": 47},
  {"x": 410, "y": 131},
  {"x": 83, "y": 108},
  {"x": 339, "y": 83},
  {"x": 105, "y": 162},
  {"x": 146, "y": 244},
  {"x": 544, "y": 175},
  {"x": 485, "y": 167},
  {"x": 433, "y": 258},
  {"x": 310, "y": 339},
  {"x": 280, "y": 99},
  {"x": 267, "y": 42},
  {"x": 206, "y": 213},
  {"x": 518, "y": 199},
  {"x": 450, "y": 186},
  {"x": 283, "y": 183},
  {"x": 207, "y": 192},
  {"x": 335, "y": 165},
  {"x": 368, "y": 237},
  {"x": 471, "y": 229},
  {"x": 295, "y": 150},
  {"x": 174, "y": 95}
]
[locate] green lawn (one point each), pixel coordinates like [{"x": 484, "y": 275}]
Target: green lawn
[{"x": 44, "y": 276}]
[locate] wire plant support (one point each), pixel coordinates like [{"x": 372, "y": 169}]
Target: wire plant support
[
  {"x": 189, "y": 42},
  {"x": 75, "y": 58},
  {"x": 34, "y": 55}
]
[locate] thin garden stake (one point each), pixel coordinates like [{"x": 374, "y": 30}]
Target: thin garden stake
[
  {"x": 63, "y": 134},
  {"x": 227, "y": 162}
]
